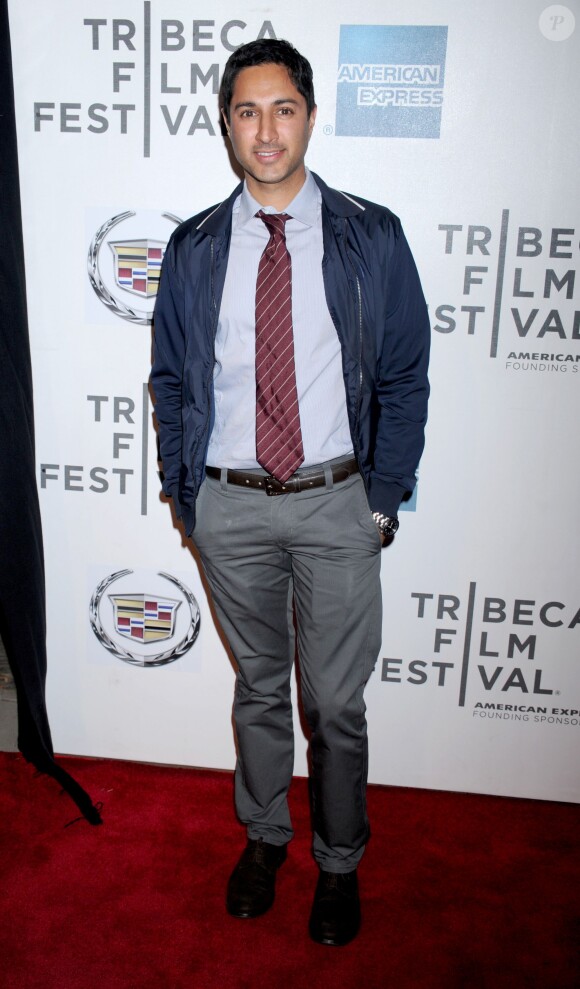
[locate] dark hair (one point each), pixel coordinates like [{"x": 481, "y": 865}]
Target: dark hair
[{"x": 262, "y": 52}]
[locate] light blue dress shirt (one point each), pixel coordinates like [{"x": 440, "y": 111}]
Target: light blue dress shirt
[{"x": 319, "y": 378}]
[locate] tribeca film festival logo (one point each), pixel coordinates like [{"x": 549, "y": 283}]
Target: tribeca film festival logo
[
  {"x": 485, "y": 651},
  {"x": 151, "y": 81},
  {"x": 390, "y": 81},
  {"x": 121, "y": 423},
  {"x": 532, "y": 323},
  {"x": 127, "y": 266},
  {"x": 141, "y": 618}
]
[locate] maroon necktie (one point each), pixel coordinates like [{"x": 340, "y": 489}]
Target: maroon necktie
[{"x": 278, "y": 439}]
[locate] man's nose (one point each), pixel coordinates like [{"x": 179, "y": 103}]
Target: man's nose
[{"x": 267, "y": 131}]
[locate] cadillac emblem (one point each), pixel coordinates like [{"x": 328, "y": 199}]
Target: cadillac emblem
[
  {"x": 133, "y": 266},
  {"x": 142, "y": 619}
]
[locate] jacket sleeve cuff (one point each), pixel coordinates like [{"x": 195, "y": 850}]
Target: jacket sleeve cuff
[
  {"x": 385, "y": 496},
  {"x": 184, "y": 513}
]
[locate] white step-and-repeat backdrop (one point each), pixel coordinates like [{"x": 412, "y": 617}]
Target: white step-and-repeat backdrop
[{"x": 462, "y": 118}]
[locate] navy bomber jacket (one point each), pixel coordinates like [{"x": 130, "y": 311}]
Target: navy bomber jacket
[{"x": 375, "y": 299}]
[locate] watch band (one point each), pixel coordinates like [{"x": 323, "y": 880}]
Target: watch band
[{"x": 386, "y": 524}]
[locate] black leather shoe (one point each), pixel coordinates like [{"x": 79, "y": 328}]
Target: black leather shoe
[
  {"x": 251, "y": 886},
  {"x": 335, "y": 917}
]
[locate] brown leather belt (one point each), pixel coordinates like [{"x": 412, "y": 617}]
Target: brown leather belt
[{"x": 302, "y": 480}]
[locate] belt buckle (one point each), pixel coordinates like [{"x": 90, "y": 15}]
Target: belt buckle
[{"x": 272, "y": 486}]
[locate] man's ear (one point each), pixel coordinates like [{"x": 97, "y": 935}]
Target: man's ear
[
  {"x": 312, "y": 120},
  {"x": 225, "y": 123}
]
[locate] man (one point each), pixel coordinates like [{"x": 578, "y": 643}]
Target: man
[{"x": 291, "y": 345}]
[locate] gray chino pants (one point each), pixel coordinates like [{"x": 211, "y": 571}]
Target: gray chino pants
[{"x": 321, "y": 549}]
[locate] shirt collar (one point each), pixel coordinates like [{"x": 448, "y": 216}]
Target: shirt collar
[{"x": 304, "y": 207}]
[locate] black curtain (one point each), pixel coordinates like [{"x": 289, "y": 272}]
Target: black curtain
[{"x": 22, "y": 596}]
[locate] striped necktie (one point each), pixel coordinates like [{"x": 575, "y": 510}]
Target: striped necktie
[{"x": 278, "y": 438}]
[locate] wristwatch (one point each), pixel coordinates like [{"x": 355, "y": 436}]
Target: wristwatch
[{"x": 386, "y": 524}]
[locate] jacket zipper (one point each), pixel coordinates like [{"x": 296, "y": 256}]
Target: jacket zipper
[
  {"x": 360, "y": 337},
  {"x": 213, "y": 328}
]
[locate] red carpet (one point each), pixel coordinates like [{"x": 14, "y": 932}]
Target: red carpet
[{"x": 459, "y": 891}]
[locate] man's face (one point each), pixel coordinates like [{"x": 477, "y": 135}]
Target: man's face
[{"x": 269, "y": 129}]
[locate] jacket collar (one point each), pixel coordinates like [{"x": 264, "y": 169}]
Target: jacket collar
[
  {"x": 219, "y": 219},
  {"x": 338, "y": 202}
]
